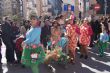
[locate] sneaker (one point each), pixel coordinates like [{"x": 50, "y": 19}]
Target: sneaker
[{"x": 52, "y": 68}]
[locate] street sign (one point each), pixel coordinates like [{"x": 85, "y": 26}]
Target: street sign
[
  {"x": 68, "y": 7},
  {"x": 97, "y": 7},
  {"x": 72, "y": 7},
  {"x": 65, "y": 7}
]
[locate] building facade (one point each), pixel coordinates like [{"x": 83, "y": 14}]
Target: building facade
[
  {"x": 9, "y": 8},
  {"x": 1, "y": 8},
  {"x": 38, "y": 6}
]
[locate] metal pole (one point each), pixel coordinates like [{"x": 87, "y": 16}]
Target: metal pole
[{"x": 105, "y": 9}]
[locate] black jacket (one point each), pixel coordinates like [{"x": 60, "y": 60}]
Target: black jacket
[
  {"x": 45, "y": 32},
  {"x": 7, "y": 32}
]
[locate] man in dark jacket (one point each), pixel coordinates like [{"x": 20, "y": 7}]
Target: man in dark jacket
[
  {"x": 7, "y": 37},
  {"x": 96, "y": 27},
  {"x": 45, "y": 33}
]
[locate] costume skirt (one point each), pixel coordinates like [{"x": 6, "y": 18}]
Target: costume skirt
[
  {"x": 27, "y": 58},
  {"x": 100, "y": 43}
]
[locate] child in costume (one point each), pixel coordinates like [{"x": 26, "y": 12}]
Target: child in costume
[
  {"x": 102, "y": 42},
  {"x": 53, "y": 54},
  {"x": 56, "y": 54},
  {"x": 33, "y": 53},
  {"x": 64, "y": 51},
  {"x": 19, "y": 48},
  {"x": 18, "y": 43}
]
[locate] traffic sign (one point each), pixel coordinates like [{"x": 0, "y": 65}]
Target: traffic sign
[
  {"x": 97, "y": 7},
  {"x": 68, "y": 7},
  {"x": 65, "y": 7},
  {"x": 72, "y": 7}
]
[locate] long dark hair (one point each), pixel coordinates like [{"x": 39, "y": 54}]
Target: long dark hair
[{"x": 55, "y": 22}]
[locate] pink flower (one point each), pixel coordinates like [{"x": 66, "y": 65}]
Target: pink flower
[{"x": 34, "y": 46}]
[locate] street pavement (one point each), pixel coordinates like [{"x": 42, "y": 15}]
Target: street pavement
[{"x": 94, "y": 64}]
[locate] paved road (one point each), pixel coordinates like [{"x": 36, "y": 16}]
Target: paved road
[{"x": 94, "y": 64}]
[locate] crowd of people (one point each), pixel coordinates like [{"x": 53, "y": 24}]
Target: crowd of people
[{"x": 49, "y": 40}]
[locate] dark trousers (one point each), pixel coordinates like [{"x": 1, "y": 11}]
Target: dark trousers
[
  {"x": 18, "y": 55},
  {"x": 9, "y": 50},
  {"x": 44, "y": 41},
  {"x": 93, "y": 38},
  {"x": 1, "y": 68}
]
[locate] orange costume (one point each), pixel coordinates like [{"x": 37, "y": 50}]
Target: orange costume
[
  {"x": 72, "y": 33},
  {"x": 86, "y": 32}
]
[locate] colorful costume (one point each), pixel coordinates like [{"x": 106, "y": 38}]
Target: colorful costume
[
  {"x": 84, "y": 39},
  {"x": 33, "y": 53},
  {"x": 86, "y": 32},
  {"x": 104, "y": 38},
  {"x": 56, "y": 53},
  {"x": 72, "y": 33}
]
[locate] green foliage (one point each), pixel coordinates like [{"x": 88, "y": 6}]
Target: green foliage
[{"x": 15, "y": 18}]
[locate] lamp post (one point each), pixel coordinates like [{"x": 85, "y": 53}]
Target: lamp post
[
  {"x": 21, "y": 9},
  {"x": 105, "y": 9},
  {"x": 14, "y": 8}
]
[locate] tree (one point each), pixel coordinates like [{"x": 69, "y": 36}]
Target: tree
[{"x": 15, "y": 18}]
